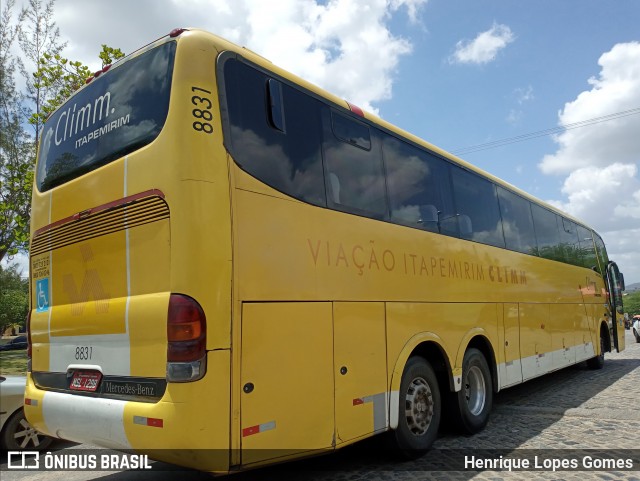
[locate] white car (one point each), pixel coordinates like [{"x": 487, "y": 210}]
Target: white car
[
  {"x": 635, "y": 328},
  {"x": 15, "y": 432}
]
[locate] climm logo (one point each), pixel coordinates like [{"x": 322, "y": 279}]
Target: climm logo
[{"x": 75, "y": 120}]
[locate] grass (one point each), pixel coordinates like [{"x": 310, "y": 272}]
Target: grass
[{"x": 13, "y": 362}]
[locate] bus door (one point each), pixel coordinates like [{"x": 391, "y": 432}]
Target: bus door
[{"x": 615, "y": 286}]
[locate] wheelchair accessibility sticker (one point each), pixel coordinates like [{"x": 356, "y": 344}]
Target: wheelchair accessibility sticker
[{"x": 42, "y": 295}]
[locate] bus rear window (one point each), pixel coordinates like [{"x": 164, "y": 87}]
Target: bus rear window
[{"x": 117, "y": 113}]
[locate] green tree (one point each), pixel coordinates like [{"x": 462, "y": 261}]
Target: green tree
[
  {"x": 63, "y": 76},
  {"x": 108, "y": 55},
  {"x": 14, "y": 298},
  {"x": 17, "y": 151},
  {"x": 39, "y": 37},
  {"x": 54, "y": 79},
  {"x": 632, "y": 303}
]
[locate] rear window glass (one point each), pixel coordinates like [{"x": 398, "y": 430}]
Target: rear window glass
[{"x": 114, "y": 115}]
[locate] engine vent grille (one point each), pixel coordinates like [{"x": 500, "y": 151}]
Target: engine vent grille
[{"x": 126, "y": 213}]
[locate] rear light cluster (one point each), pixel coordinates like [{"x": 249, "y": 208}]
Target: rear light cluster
[
  {"x": 98, "y": 73},
  {"x": 186, "y": 335}
]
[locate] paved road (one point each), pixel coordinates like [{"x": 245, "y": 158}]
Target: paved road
[{"x": 573, "y": 409}]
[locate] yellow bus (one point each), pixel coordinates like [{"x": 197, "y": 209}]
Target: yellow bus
[{"x": 231, "y": 267}]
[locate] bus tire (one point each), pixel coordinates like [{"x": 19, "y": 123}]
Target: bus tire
[
  {"x": 420, "y": 409},
  {"x": 475, "y": 398},
  {"x": 598, "y": 361}
]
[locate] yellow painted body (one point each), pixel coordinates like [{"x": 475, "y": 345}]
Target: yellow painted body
[{"x": 311, "y": 313}]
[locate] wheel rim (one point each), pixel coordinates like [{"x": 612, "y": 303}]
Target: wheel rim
[
  {"x": 419, "y": 406},
  {"x": 27, "y": 436},
  {"x": 475, "y": 390}
]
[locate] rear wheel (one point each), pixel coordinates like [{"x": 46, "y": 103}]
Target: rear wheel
[
  {"x": 420, "y": 409},
  {"x": 475, "y": 399}
]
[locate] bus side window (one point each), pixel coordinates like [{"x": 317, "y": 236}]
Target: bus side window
[
  {"x": 274, "y": 132},
  {"x": 429, "y": 217},
  {"x": 477, "y": 208},
  {"x": 547, "y": 233},
  {"x": 418, "y": 184},
  {"x": 587, "y": 247},
  {"x": 601, "y": 252},
  {"x": 350, "y": 131},
  {"x": 517, "y": 222},
  {"x": 570, "y": 242},
  {"x": 458, "y": 225},
  {"x": 334, "y": 188},
  {"x": 354, "y": 175}
]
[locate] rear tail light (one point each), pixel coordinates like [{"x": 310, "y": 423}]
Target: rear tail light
[
  {"x": 186, "y": 336},
  {"x": 29, "y": 341}
]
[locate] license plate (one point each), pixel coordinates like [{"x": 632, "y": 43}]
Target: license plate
[{"x": 85, "y": 380}]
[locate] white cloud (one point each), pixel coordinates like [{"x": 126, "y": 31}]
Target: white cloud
[
  {"x": 483, "y": 48},
  {"x": 622, "y": 247},
  {"x": 602, "y": 186},
  {"x": 20, "y": 260},
  {"x": 606, "y": 196},
  {"x": 344, "y": 46},
  {"x": 617, "y": 89}
]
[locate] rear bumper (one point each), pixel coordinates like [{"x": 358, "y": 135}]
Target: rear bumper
[{"x": 189, "y": 426}]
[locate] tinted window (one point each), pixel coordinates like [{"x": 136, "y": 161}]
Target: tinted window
[
  {"x": 547, "y": 233},
  {"x": 115, "y": 114},
  {"x": 351, "y": 131},
  {"x": 418, "y": 184},
  {"x": 288, "y": 159},
  {"x": 603, "y": 258},
  {"x": 517, "y": 222},
  {"x": 478, "y": 215},
  {"x": 570, "y": 244},
  {"x": 587, "y": 248},
  {"x": 354, "y": 175}
]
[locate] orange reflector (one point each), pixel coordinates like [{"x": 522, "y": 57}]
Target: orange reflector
[{"x": 184, "y": 332}]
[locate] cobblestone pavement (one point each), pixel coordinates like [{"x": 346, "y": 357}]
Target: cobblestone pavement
[{"x": 573, "y": 409}]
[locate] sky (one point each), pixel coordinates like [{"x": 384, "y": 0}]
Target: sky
[{"x": 457, "y": 73}]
